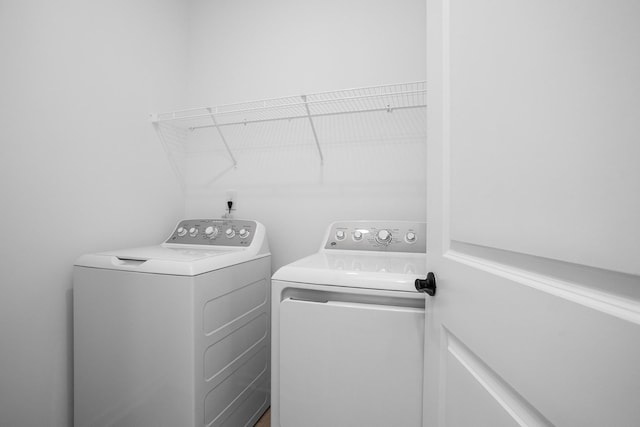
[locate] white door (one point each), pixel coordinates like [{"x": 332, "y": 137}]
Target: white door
[{"x": 533, "y": 213}]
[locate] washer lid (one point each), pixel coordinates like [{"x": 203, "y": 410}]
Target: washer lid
[
  {"x": 179, "y": 260},
  {"x": 387, "y": 271},
  {"x": 169, "y": 253}
]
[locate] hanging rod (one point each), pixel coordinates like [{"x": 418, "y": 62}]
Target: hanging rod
[
  {"x": 173, "y": 116},
  {"x": 421, "y": 84},
  {"x": 387, "y": 108}
]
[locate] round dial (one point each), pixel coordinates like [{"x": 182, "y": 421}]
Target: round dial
[
  {"x": 243, "y": 233},
  {"x": 384, "y": 237},
  {"x": 230, "y": 233},
  {"x": 182, "y": 231},
  {"x": 211, "y": 232},
  {"x": 410, "y": 237},
  {"x": 357, "y": 235},
  {"x": 340, "y": 235},
  {"x": 193, "y": 232}
]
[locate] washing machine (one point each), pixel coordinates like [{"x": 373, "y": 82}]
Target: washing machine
[
  {"x": 348, "y": 329},
  {"x": 175, "y": 334}
]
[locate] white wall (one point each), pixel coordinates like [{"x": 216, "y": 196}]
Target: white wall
[
  {"x": 80, "y": 170},
  {"x": 243, "y": 50}
]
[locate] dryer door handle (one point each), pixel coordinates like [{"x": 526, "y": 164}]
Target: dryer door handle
[{"x": 427, "y": 285}]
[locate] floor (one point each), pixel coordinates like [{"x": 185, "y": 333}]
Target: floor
[{"x": 265, "y": 421}]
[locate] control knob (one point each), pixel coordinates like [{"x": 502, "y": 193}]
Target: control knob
[
  {"x": 211, "y": 232},
  {"x": 230, "y": 233},
  {"x": 357, "y": 235},
  {"x": 243, "y": 233},
  {"x": 410, "y": 237},
  {"x": 182, "y": 231},
  {"x": 383, "y": 237},
  {"x": 193, "y": 232},
  {"x": 340, "y": 235}
]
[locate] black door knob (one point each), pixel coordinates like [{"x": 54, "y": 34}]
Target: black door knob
[{"x": 427, "y": 285}]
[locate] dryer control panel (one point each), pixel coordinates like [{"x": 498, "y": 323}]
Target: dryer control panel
[
  {"x": 214, "y": 232},
  {"x": 381, "y": 236}
]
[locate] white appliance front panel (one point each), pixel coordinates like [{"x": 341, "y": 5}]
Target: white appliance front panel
[
  {"x": 165, "y": 351},
  {"x": 160, "y": 259},
  {"x": 345, "y": 364}
]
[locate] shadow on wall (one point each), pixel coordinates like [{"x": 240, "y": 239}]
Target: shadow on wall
[
  {"x": 69, "y": 322},
  {"x": 365, "y": 150}
]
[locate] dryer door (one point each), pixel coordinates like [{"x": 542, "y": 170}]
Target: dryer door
[{"x": 345, "y": 364}]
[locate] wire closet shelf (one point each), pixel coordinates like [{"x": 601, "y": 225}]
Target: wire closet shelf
[{"x": 387, "y": 98}]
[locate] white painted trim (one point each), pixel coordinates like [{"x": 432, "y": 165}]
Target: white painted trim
[
  {"x": 513, "y": 403},
  {"x": 622, "y": 308},
  {"x": 446, "y": 127},
  {"x": 442, "y": 373}
]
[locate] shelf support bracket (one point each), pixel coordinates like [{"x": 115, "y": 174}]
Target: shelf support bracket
[
  {"x": 165, "y": 142},
  {"x": 313, "y": 128},
  {"x": 224, "y": 141}
]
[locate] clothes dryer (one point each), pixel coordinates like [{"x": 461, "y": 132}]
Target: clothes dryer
[
  {"x": 175, "y": 334},
  {"x": 348, "y": 329}
]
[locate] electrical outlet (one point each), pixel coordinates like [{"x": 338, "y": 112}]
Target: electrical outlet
[
  {"x": 231, "y": 204},
  {"x": 231, "y": 196}
]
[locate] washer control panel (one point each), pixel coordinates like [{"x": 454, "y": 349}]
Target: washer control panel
[
  {"x": 214, "y": 232},
  {"x": 382, "y": 236}
]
